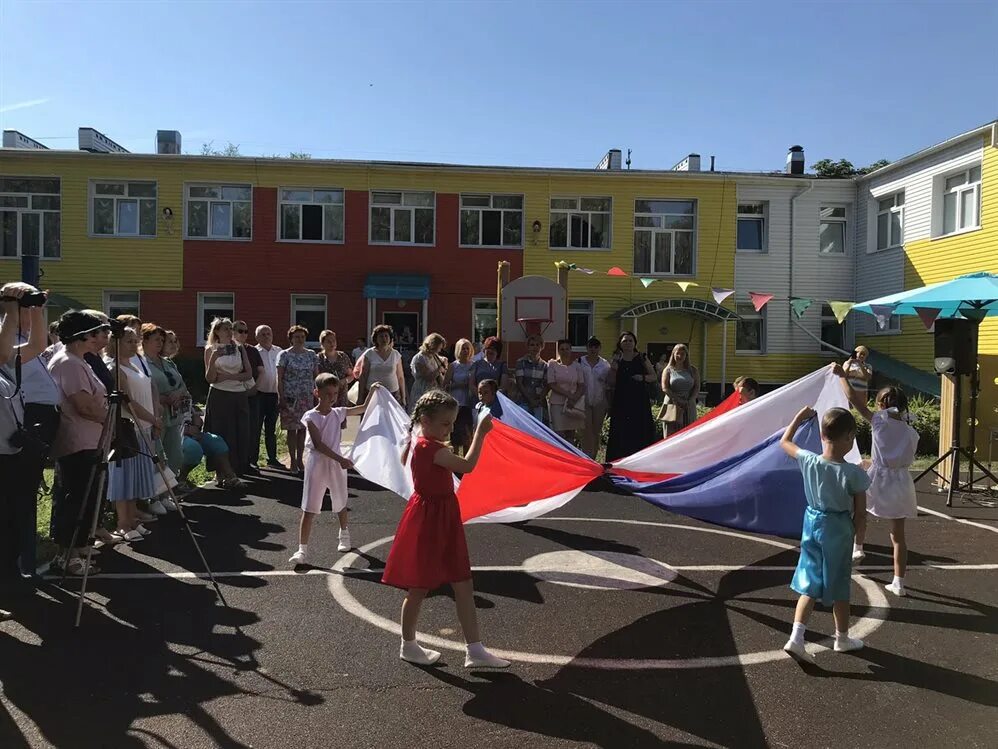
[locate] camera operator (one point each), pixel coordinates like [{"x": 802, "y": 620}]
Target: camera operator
[
  {"x": 84, "y": 410},
  {"x": 28, "y": 418}
]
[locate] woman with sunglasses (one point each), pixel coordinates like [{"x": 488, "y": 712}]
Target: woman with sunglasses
[{"x": 173, "y": 394}]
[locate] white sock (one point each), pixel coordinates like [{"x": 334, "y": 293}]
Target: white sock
[
  {"x": 898, "y": 582},
  {"x": 797, "y": 633},
  {"x": 412, "y": 651},
  {"x": 476, "y": 649},
  {"x": 857, "y": 547},
  {"x": 478, "y": 657},
  {"x": 303, "y": 548}
]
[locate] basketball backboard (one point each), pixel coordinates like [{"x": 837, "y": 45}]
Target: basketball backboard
[{"x": 533, "y": 302}]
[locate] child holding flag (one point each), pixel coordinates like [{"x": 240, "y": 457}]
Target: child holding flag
[
  {"x": 429, "y": 548},
  {"x": 836, "y": 511}
]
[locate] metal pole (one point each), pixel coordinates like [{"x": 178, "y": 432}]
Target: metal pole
[{"x": 724, "y": 357}]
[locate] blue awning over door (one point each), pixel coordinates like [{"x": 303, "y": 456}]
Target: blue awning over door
[{"x": 402, "y": 286}]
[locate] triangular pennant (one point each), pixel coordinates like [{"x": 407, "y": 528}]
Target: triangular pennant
[
  {"x": 685, "y": 285},
  {"x": 928, "y": 316},
  {"x": 841, "y": 309},
  {"x": 799, "y": 305},
  {"x": 647, "y": 282},
  {"x": 721, "y": 294},
  {"x": 759, "y": 299},
  {"x": 975, "y": 314},
  {"x": 883, "y": 314},
  {"x": 615, "y": 271}
]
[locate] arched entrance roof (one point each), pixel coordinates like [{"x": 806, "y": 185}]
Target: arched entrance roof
[{"x": 698, "y": 307}]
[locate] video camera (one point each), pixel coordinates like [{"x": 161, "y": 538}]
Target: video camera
[{"x": 31, "y": 299}]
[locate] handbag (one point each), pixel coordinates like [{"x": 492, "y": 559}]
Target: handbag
[{"x": 669, "y": 413}]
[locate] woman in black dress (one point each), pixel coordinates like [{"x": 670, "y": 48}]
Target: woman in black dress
[{"x": 631, "y": 424}]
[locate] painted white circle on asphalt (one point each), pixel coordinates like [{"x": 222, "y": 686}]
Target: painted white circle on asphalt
[
  {"x": 861, "y": 628},
  {"x": 599, "y": 570}
]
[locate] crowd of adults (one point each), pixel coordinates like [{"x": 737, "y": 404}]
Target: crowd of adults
[{"x": 55, "y": 408}]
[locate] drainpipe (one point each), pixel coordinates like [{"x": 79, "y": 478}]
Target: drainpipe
[{"x": 793, "y": 232}]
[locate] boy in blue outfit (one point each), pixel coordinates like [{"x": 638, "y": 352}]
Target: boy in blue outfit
[{"x": 836, "y": 509}]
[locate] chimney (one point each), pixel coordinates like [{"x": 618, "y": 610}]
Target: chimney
[
  {"x": 95, "y": 141},
  {"x": 610, "y": 162},
  {"x": 690, "y": 164},
  {"x": 795, "y": 160},
  {"x": 168, "y": 141},
  {"x": 17, "y": 139}
]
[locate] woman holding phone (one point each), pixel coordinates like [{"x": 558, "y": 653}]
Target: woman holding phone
[{"x": 226, "y": 368}]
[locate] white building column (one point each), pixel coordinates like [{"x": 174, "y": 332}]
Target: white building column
[{"x": 426, "y": 307}]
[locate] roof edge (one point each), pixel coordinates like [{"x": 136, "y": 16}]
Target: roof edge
[{"x": 910, "y": 158}]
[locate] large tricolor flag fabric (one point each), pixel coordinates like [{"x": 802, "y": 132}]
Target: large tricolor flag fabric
[{"x": 727, "y": 468}]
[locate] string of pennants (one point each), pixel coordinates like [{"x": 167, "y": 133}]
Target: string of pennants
[{"x": 759, "y": 299}]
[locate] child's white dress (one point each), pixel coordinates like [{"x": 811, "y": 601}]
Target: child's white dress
[{"x": 892, "y": 491}]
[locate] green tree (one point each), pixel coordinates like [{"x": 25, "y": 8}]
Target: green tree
[
  {"x": 208, "y": 149},
  {"x": 299, "y": 155},
  {"x": 844, "y": 168}
]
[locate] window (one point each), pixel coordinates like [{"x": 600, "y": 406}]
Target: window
[
  {"x": 311, "y": 215},
  {"x": 893, "y": 325},
  {"x": 402, "y": 217},
  {"x": 121, "y": 303},
  {"x": 832, "y": 230},
  {"x": 580, "y": 323},
  {"x": 831, "y": 332},
  {"x": 890, "y": 221},
  {"x": 30, "y": 217},
  {"x": 219, "y": 211},
  {"x": 210, "y": 306},
  {"x": 962, "y": 201},
  {"x": 752, "y": 227},
  {"x": 664, "y": 237},
  {"x": 492, "y": 220},
  {"x": 123, "y": 209},
  {"x": 309, "y": 310},
  {"x": 750, "y": 331},
  {"x": 483, "y": 320},
  {"x": 580, "y": 223}
]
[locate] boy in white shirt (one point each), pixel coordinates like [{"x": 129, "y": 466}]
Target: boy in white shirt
[{"x": 325, "y": 467}]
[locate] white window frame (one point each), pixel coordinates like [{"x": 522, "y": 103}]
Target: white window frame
[
  {"x": 109, "y": 302},
  {"x": 395, "y": 208},
  {"x": 462, "y": 208},
  {"x": 474, "y": 314},
  {"x": 761, "y": 217},
  {"x": 202, "y": 296},
  {"x": 895, "y": 209},
  {"x": 282, "y": 202},
  {"x": 893, "y": 326},
  {"x": 587, "y": 216},
  {"x": 20, "y": 211},
  {"x": 296, "y": 307},
  {"x": 231, "y": 201},
  {"x": 843, "y": 220},
  {"x": 969, "y": 185},
  {"x": 590, "y": 313},
  {"x": 116, "y": 233},
  {"x": 747, "y": 313},
  {"x": 823, "y": 347},
  {"x": 662, "y": 230}
]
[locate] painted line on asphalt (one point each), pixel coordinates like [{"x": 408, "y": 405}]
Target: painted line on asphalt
[{"x": 962, "y": 521}]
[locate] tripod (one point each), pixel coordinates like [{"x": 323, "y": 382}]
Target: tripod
[
  {"x": 112, "y": 448},
  {"x": 957, "y": 450}
]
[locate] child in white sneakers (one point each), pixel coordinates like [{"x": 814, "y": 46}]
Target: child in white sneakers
[
  {"x": 325, "y": 467},
  {"x": 836, "y": 511}
]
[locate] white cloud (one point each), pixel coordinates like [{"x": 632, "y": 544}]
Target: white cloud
[{"x": 23, "y": 105}]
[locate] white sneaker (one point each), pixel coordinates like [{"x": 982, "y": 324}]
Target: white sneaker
[
  {"x": 142, "y": 529},
  {"x": 847, "y": 644},
  {"x": 344, "y": 544},
  {"x": 156, "y": 507},
  {"x": 797, "y": 650},
  {"x": 896, "y": 589},
  {"x": 169, "y": 504},
  {"x": 485, "y": 660},
  {"x": 297, "y": 558},
  {"x": 858, "y": 555},
  {"x": 413, "y": 653}
]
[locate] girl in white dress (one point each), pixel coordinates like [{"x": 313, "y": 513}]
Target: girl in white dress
[{"x": 891, "y": 495}]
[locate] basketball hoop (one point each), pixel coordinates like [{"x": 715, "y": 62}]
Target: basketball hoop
[{"x": 532, "y": 326}]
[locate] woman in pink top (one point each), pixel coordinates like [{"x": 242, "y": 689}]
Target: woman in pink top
[{"x": 568, "y": 387}]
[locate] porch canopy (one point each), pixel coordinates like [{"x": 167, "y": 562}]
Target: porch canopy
[{"x": 399, "y": 286}]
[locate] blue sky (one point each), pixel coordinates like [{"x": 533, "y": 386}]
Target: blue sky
[{"x": 537, "y": 83}]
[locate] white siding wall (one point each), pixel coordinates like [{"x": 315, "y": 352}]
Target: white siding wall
[
  {"x": 813, "y": 275},
  {"x": 879, "y": 273}
]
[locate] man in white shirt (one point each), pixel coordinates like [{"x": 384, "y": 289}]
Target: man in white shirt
[
  {"x": 266, "y": 386},
  {"x": 594, "y": 372}
]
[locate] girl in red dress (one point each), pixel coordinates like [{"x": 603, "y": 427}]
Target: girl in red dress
[{"x": 429, "y": 548}]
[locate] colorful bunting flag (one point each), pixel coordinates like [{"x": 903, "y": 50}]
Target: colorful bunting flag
[
  {"x": 927, "y": 315},
  {"x": 615, "y": 271},
  {"x": 759, "y": 299},
  {"x": 685, "y": 285},
  {"x": 841, "y": 309},
  {"x": 799, "y": 305},
  {"x": 721, "y": 294},
  {"x": 647, "y": 282},
  {"x": 975, "y": 314},
  {"x": 883, "y": 314}
]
